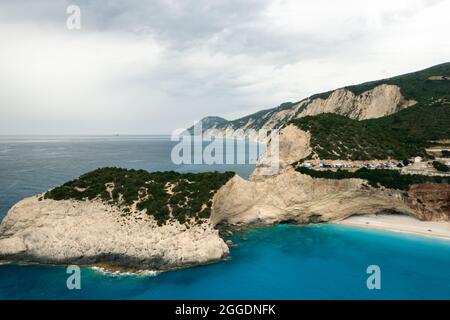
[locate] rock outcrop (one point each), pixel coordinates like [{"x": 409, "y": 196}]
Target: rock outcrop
[
  {"x": 91, "y": 233},
  {"x": 293, "y": 144},
  {"x": 430, "y": 201},
  {"x": 381, "y": 101},
  {"x": 301, "y": 199}
]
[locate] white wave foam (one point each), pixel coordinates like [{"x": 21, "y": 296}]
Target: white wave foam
[{"x": 140, "y": 273}]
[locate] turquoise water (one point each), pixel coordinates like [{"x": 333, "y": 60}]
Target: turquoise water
[{"x": 282, "y": 262}]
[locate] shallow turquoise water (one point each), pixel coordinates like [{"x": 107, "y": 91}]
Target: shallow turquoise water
[{"x": 282, "y": 262}]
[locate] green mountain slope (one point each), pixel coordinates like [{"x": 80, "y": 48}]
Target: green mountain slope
[
  {"x": 398, "y": 136},
  {"x": 416, "y": 86},
  {"x": 426, "y": 87}
]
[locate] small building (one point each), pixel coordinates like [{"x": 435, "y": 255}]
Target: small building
[
  {"x": 307, "y": 165},
  {"x": 418, "y": 159}
]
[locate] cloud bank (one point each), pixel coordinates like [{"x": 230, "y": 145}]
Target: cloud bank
[{"x": 148, "y": 67}]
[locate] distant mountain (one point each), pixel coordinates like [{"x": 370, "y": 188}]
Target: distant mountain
[
  {"x": 210, "y": 123},
  {"x": 369, "y": 100}
]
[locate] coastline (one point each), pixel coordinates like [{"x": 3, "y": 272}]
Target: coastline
[
  {"x": 401, "y": 224},
  {"x": 123, "y": 272},
  {"x": 110, "y": 269},
  {"x": 92, "y": 233}
]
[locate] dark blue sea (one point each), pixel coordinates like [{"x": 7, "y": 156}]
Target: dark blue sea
[{"x": 282, "y": 262}]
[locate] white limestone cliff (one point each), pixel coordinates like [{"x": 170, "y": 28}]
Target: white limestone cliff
[
  {"x": 381, "y": 101},
  {"x": 294, "y": 197},
  {"x": 378, "y": 102},
  {"x": 92, "y": 233},
  {"x": 293, "y": 144}
]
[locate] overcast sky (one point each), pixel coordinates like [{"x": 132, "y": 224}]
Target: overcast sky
[{"x": 148, "y": 67}]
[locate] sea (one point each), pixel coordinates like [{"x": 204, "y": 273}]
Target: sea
[{"x": 280, "y": 262}]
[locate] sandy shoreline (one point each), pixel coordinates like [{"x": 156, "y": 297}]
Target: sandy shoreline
[{"x": 401, "y": 223}]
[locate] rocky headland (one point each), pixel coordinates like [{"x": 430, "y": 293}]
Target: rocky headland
[
  {"x": 118, "y": 219},
  {"x": 94, "y": 233}
]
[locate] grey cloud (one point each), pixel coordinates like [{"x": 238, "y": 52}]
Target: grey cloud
[{"x": 213, "y": 57}]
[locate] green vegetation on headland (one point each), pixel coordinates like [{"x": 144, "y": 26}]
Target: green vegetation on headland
[
  {"x": 414, "y": 86},
  {"x": 399, "y": 136},
  {"x": 163, "y": 195},
  {"x": 391, "y": 179}
]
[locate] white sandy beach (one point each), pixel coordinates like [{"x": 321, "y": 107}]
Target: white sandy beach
[{"x": 400, "y": 223}]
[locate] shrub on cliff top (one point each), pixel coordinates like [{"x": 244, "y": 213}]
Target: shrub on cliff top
[
  {"x": 391, "y": 179},
  {"x": 164, "y": 195},
  {"x": 440, "y": 166}
]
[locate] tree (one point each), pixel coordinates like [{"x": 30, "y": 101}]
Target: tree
[{"x": 440, "y": 166}]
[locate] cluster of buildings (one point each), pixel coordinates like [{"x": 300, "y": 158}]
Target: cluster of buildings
[
  {"x": 322, "y": 164},
  {"x": 425, "y": 167},
  {"x": 415, "y": 165}
]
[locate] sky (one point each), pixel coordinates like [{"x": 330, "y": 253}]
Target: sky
[{"x": 150, "y": 67}]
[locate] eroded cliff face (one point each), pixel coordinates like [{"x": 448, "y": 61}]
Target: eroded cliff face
[
  {"x": 381, "y": 101},
  {"x": 92, "y": 233},
  {"x": 376, "y": 103},
  {"x": 430, "y": 201},
  {"x": 294, "y": 197},
  {"x": 293, "y": 144}
]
